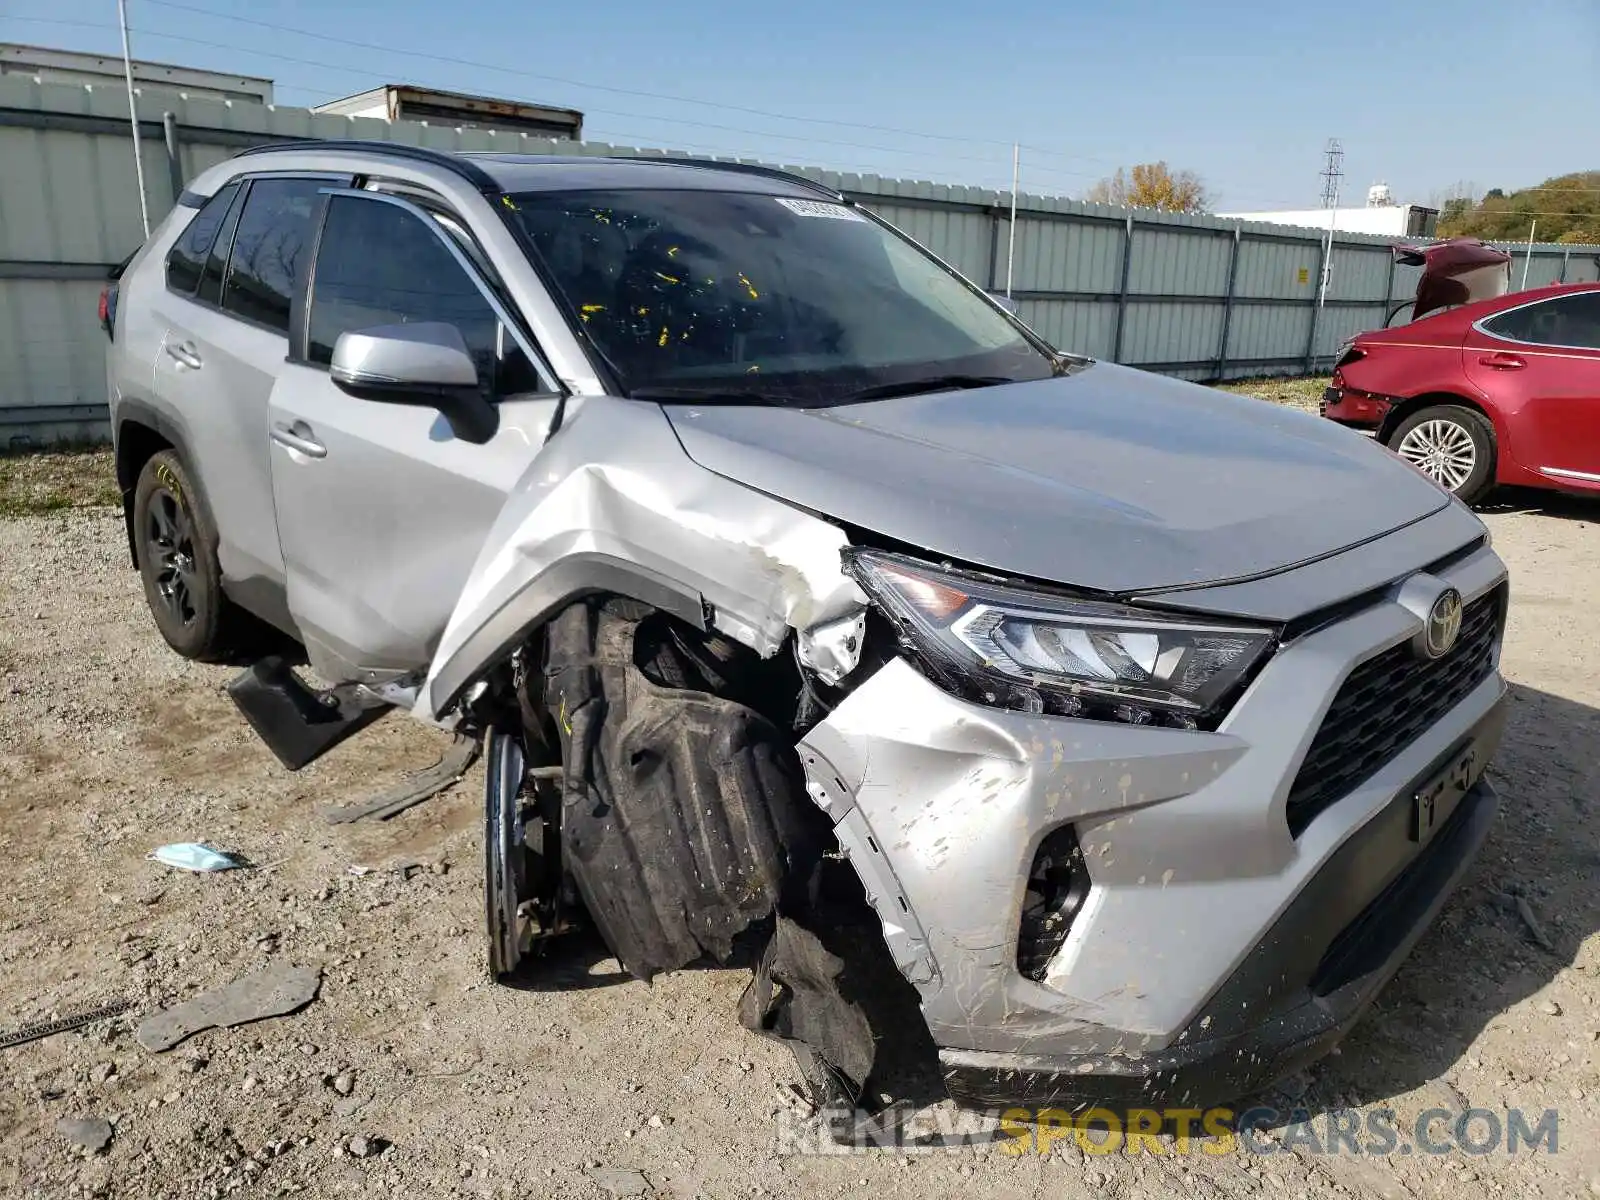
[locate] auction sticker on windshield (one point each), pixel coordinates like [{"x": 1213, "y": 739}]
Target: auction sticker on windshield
[{"x": 820, "y": 208}]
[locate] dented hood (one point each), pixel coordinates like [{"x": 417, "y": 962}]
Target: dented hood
[{"x": 1110, "y": 478}]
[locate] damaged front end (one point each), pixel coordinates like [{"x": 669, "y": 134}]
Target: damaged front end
[
  {"x": 641, "y": 646},
  {"x": 1099, "y": 860}
]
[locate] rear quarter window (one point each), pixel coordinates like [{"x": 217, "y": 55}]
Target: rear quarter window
[{"x": 186, "y": 259}]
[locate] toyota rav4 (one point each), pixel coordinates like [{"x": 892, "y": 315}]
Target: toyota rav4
[{"x": 748, "y": 537}]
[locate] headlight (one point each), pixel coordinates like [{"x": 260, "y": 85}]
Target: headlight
[{"x": 1038, "y": 652}]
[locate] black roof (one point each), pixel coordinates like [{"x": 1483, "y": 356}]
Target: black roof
[{"x": 493, "y": 171}]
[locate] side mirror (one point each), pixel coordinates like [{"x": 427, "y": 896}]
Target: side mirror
[
  {"x": 425, "y": 363},
  {"x": 1004, "y": 301}
]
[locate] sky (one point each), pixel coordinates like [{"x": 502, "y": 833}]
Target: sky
[{"x": 1422, "y": 94}]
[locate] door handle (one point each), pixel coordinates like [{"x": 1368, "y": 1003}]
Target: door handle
[
  {"x": 185, "y": 354},
  {"x": 299, "y": 437},
  {"x": 1502, "y": 362}
]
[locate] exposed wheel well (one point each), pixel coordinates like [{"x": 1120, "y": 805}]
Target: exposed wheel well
[{"x": 137, "y": 444}]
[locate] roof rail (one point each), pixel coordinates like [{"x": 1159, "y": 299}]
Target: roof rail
[
  {"x": 454, "y": 163},
  {"x": 479, "y": 178},
  {"x": 743, "y": 168}
]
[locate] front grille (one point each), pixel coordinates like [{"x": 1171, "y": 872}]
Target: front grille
[{"x": 1385, "y": 705}]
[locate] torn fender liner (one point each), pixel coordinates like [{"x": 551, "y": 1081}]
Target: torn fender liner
[
  {"x": 681, "y": 813},
  {"x": 684, "y": 825},
  {"x": 795, "y": 997}
]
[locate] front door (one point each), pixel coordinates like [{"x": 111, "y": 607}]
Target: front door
[
  {"x": 381, "y": 510},
  {"x": 1541, "y": 363}
]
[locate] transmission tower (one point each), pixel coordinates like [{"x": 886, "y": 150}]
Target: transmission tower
[{"x": 1332, "y": 173}]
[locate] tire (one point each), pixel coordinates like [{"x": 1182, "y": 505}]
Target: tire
[
  {"x": 1453, "y": 446},
  {"x": 177, "y": 546}
]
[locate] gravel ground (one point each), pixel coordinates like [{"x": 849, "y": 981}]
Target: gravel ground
[{"x": 411, "y": 1075}]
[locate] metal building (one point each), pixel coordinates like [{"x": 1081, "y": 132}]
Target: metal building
[
  {"x": 1385, "y": 220},
  {"x": 71, "y": 67},
  {"x": 403, "y": 102}
]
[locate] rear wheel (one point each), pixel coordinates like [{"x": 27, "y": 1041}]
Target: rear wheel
[
  {"x": 177, "y": 544},
  {"x": 1453, "y": 446}
]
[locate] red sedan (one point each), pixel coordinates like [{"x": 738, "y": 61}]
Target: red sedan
[{"x": 1505, "y": 390}]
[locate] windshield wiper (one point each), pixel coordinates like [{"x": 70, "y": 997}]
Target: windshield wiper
[
  {"x": 693, "y": 395},
  {"x": 916, "y": 387}
]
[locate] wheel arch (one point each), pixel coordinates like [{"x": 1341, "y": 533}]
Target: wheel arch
[
  {"x": 530, "y": 610},
  {"x": 1404, "y": 408},
  {"x": 139, "y": 435}
]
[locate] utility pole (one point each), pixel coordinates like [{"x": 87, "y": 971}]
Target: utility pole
[
  {"x": 1332, "y": 175},
  {"x": 1011, "y": 241},
  {"x": 133, "y": 116}
]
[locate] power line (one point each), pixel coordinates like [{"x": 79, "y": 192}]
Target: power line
[
  {"x": 670, "y": 97},
  {"x": 771, "y": 134},
  {"x": 806, "y": 139},
  {"x": 619, "y": 137},
  {"x": 483, "y": 66}
]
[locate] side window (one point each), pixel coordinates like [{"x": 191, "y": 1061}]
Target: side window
[
  {"x": 270, "y": 245},
  {"x": 210, "y": 290},
  {"x": 381, "y": 265},
  {"x": 1564, "y": 321},
  {"x": 188, "y": 253}
]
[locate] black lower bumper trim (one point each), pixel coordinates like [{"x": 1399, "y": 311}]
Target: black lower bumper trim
[{"x": 1201, "y": 1071}]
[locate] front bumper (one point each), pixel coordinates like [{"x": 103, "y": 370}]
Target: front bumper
[
  {"x": 1195, "y": 969},
  {"x": 1307, "y": 1020}
]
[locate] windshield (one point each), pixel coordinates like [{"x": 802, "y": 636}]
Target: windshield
[{"x": 786, "y": 301}]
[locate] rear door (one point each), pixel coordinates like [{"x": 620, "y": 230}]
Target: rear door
[
  {"x": 230, "y": 278},
  {"x": 1540, "y": 363},
  {"x": 381, "y": 510}
]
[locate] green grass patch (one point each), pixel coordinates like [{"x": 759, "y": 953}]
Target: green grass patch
[
  {"x": 44, "y": 481},
  {"x": 1296, "y": 393}
]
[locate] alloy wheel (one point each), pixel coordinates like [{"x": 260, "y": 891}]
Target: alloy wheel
[
  {"x": 169, "y": 540},
  {"x": 1443, "y": 450}
]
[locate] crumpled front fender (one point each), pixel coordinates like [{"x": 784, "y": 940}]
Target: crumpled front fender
[{"x": 612, "y": 504}]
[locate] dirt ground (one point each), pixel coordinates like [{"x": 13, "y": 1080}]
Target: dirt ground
[{"x": 578, "y": 1083}]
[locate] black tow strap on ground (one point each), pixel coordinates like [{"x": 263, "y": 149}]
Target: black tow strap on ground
[{"x": 684, "y": 826}]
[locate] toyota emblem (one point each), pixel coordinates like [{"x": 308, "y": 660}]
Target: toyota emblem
[{"x": 1443, "y": 625}]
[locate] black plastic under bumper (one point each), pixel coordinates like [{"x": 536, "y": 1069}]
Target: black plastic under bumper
[{"x": 1221, "y": 1057}]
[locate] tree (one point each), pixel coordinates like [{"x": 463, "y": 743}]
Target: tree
[
  {"x": 1567, "y": 208},
  {"x": 1461, "y": 192},
  {"x": 1152, "y": 185}
]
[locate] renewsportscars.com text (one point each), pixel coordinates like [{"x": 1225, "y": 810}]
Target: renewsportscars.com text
[{"x": 1375, "y": 1132}]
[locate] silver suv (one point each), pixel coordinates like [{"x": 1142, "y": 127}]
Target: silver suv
[{"x": 749, "y": 537}]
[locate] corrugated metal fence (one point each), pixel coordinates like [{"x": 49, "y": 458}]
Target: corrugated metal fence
[{"x": 1188, "y": 295}]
